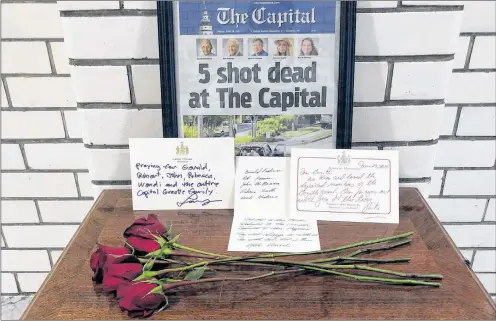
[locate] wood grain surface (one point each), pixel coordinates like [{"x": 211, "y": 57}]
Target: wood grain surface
[{"x": 69, "y": 293}]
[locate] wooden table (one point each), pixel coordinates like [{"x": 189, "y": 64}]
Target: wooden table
[{"x": 69, "y": 293}]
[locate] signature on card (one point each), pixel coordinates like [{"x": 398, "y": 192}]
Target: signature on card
[{"x": 193, "y": 198}]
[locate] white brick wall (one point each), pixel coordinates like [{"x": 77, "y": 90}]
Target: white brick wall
[
  {"x": 101, "y": 84},
  {"x": 25, "y": 57},
  {"x": 43, "y": 151},
  {"x": 420, "y": 80},
  {"x": 112, "y": 37},
  {"x": 418, "y": 45},
  {"x": 47, "y": 236},
  {"x": 477, "y": 122},
  {"x": 466, "y": 148},
  {"x": 35, "y": 20}
]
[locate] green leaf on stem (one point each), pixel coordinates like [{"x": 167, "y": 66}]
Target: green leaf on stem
[
  {"x": 174, "y": 239},
  {"x": 149, "y": 265},
  {"x": 169, "y": 231},
  {"x": 195, "y": 274}
]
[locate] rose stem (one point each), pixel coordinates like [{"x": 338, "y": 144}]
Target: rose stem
[
  {"x": 337, "y": 249},
  {"x": 303, "y": 265},
  {"x": 366, "y": 260},
  {"x": 182, "y": 283},
  {"x": 344, "y": 247},
  {"x": 186, "y": 248},
  {"x": 367, "y": 250},
  {"x": 368, "y": 268}
]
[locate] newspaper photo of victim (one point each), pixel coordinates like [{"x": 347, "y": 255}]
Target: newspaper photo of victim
[{"x": 247, "y": 72}]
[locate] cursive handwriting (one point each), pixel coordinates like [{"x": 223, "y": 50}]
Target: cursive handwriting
[{"x": 193, "y": 198}]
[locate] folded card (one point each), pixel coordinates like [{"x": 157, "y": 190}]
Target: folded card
[
  {"x": 182, "y": 173},
  {"x": 344, "y": 185},
  {"x": 261, "y": 186}
]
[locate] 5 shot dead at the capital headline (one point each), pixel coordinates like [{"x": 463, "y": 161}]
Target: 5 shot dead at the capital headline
[{"x": 228, "y": 98}]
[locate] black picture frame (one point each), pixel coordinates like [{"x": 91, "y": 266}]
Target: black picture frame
[{"x": 346, "y": 71}]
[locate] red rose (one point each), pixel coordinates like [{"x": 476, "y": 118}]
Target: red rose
[
  {"x": 137, "y": 299},
  {"x": 140, "y": 235},
  {"x": 121, "y": 270},
  {"x": 102, "y": 256}
]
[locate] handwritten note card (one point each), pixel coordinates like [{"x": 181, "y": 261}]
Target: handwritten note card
[
  {"x": 344, "y": 185},
  {"x": 177, "y": 173},
  {"x": 267, "y": 234},
  {"x": 261, "y": 186}
]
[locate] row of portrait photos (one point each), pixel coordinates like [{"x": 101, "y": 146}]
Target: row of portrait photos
[{"x": 237, "y": 47}]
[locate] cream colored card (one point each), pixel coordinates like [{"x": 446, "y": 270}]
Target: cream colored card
[
  {"x": 182, "y": 173},
  {"x": 344, "y": 185},
  {"x": 261, "y": 186}
]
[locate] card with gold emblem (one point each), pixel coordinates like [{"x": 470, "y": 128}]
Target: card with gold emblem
[{"x": 182, "y": 173}]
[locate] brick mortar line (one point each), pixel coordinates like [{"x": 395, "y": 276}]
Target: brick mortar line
[
  {"x": 389, "y": 82},
  {"x": 109, "y": 13},
  {"x": 445, "y": 137},
  {"x": 50, "y": 58},
  {"x": 15, "y": 271},
  {"x": 24, "y": 157},
  {"x": 38, "y": 211},
  {"x": 447, "y": 168},
  {"x": 78, "y": 188},
  {"x": 18, "y": 284},
  {"x": 41, "y": 140},
  {"x": 28, "y": 1},
  {"x": 469, "y": 52},
  {"x": 43, "y": 224},
  {"x": 401, "y": 9},
  {"x": 457, "y": 120},
  {"x": 110, "y": 182},
  {"x": 31, "y": 75},
  {"x": 37, "y": 108},
  {"x": 474, "y": 70},
  {"x": 7, "y": 92},
  {"x": 469, "y": 223},
  {"x": 35, "y": 248},
  {"x": 405, "y": 58},
  {"x": 4, "y": 239},
  {"x": 485, "y": 212},
  {"x": 114, "y": 62},
  {"x": 47, "y": 171},
  {"x": 129, "y": 106},
  {"x": 31, "y": 198},
  {"x": 104, "y": 146},
  {"x": 49, "y": 252},
  {"x": 471, "y": 105},
  {"x": 400, "y": 103},
  {"x": 463, "y": 196},
  {"x": 482, "y": 248},
  {"x": 443, "y": 182},
  {"x": 32, "y": 39},
  {"x": 476, "y": 33},
  {"x": 64, "y": 124},
  {"x": 397, "y": 143},
  {"x": 130, "y": 82}
]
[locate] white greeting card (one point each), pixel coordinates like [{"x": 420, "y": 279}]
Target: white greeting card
[
  {"x": 261, "y": 221},
  {"x": 344, "y": 185},
  {"x": 261, "y": 186},
  {"x": 270, "y": 234},
  {"x": 182, "y": 173}
]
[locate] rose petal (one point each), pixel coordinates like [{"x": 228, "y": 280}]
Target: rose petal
[{"x": 143, "y": 245}]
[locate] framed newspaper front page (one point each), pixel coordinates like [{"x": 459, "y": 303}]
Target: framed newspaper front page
[{"x": 272, "y": 74}]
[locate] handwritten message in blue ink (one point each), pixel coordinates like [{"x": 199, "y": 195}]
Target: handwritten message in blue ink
[{"x": 173, "y": 173}]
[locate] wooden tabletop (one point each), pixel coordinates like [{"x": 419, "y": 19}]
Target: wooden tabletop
[{"x": 69, "y": 293}]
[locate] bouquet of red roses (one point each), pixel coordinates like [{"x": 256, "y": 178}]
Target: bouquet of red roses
[{"x": 136, "y": 272}]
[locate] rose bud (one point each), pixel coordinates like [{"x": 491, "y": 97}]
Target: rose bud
[
  {"x": 121, "y": 270},
  {"x": 145, "y": 226},
  {"x": 102, "y": 256},
  {"x": 144, "y": 233},
  {"x": 141, "y": 299}
]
